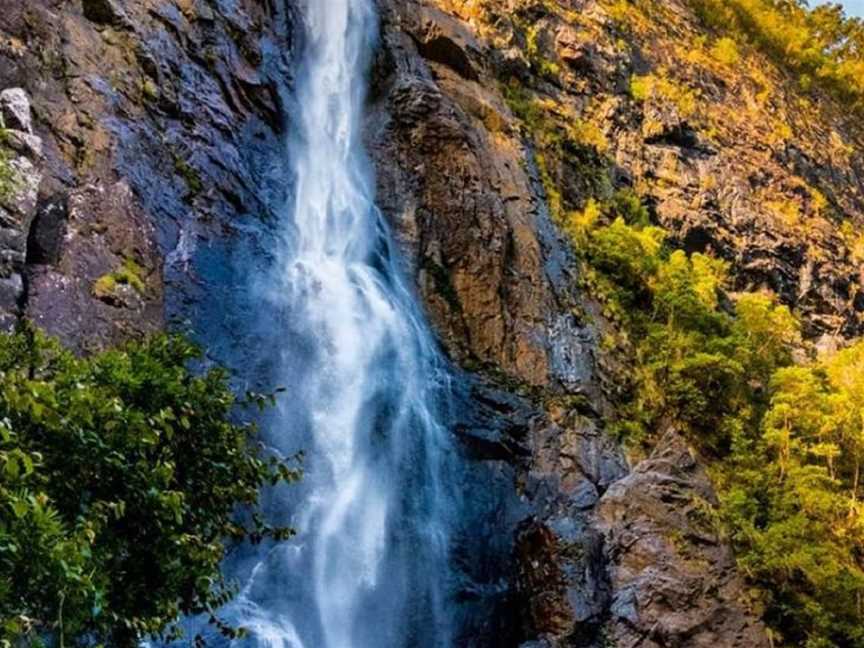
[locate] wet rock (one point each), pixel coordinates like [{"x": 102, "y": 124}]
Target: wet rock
[
  {"x": 24, "y": 143},
  {"x": 546, "y": 609},
  {"x": 103, "y": 232},
  {"x": 18, "y": 201},
  {"x": 114, "y": 145},
  {"x": 11, "y": 291},
  {"x": 45, "y": 241}
]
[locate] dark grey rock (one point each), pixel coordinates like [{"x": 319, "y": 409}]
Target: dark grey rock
[{"x": 104, "y": 12}]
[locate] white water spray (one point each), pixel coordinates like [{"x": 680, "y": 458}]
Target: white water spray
[{"x": 369, "y": 567}]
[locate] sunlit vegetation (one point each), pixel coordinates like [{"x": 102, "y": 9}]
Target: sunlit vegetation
[
  {"x": 120, "y": 476},
  {"x": 661, "y": 86},
  {"x": 854, "y": 240},
  {"x": 543, "y": 66},
  {"x": 128, "y": 274},
  {"x": 7, "y": 171},
  {"x": 725, "y": 51},
  {"x": 792, "y": 493},
  {"x": 785, "y": 441},
  {"x": 560, "y": 139},
  {"x": 781, "y": 428},
  {"x": 820, "y": 45}
]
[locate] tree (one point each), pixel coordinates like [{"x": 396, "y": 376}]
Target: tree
[
  {"x": 845, "y": 378},
  {"x": 790, "y": 501},
  {"x": 119, "y": 478}
]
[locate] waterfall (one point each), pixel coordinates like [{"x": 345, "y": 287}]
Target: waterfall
[{"x": 366, "y": 392}]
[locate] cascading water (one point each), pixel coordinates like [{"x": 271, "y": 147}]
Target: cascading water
[{"x": 366, "y": 389}]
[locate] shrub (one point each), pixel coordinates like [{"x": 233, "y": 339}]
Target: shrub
[
  {"x": 7, "y": 172},
  {"x": 128, "y": 274},
  {"x": 820, "y": 45},
  {"x": 725, "y": 50},
  {"x": 661, "y": 86},
  {"x": 785, "y": 442},
  {"x": 119, "y": 478},
  {"x": 791, "y": 501}
]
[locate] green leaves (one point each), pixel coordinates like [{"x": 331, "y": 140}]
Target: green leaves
[
  {"x": 820, "y": 45},
  {"x": 119, "y": 478},
  {"x": 786, "y": 441}
]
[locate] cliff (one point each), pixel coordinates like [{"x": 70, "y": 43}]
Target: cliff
[
  {"x": 473, "y": 100},
  {"x": 145, "y": 190}
]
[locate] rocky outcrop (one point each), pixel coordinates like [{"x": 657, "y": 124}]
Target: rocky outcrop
[
  {"x": 159, "y": 125},
  {"x": 489, "y": 263},
  {"x": 674, "y": 582},
  {"x": 603, "y": 554},
  {"x": 94, "y": 267},
  {"x": 20, "y": 177},
  {"x": 728, "y": 154}
]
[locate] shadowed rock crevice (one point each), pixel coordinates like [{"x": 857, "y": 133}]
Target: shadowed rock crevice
[{"x": 49, "y": 228}]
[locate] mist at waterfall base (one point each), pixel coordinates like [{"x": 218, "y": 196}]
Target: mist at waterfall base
[{"x": 367, "y": 394}]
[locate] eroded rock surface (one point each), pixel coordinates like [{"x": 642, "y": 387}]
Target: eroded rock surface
[
  {"x": 488, "y": 262},
  {"x": 152, "y": 167},
  {"x": 673, "y": 580},
  {"x": 20, "y": 178},
  {"x": 602, "y": 555},
  {"x": 157, "y": 126}
]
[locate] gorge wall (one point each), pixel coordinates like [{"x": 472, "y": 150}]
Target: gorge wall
[{"x": 147, "y": 187}]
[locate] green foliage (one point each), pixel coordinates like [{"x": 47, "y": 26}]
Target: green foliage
[
  {"x": 7, "y": 172},
  {"x": 564, "y": 144},
  {"x": 786, "y": 442},
  {"x": 661, "y": 86},
  {"x": 792, "y": 501},
  {"x": 628, "y": 257},
  {"x": 119, "y": 478},
  {"x": 820, "y": 44},
  {"x": 128, "y": 274},
  {"x": 189, "y": 174},
  {"x": 725, "y": 50},
  {"x": 543, "y": 66}
]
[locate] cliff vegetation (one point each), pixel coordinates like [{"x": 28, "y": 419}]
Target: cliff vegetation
[
  {"x": 731, "y": 363},
  {"x": 120, "y": 475},
  {"x": 783, "y": 438}
]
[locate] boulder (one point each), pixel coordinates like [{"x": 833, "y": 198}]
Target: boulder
[
  {"x": 15, "y": 108},
  {"x": 674, "y": 581}
]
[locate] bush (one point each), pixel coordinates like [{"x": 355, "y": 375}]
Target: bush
[
  {"x": 725, "y": 50},
  {"x": 8, "y": 177},
  {"x": 820, "y": 45},
  {"x": 119, "y": 478},
  {"x": 664, "y": 88},
  {"x": 785, "y": 442},
  {"x": 791, "y": 500}
]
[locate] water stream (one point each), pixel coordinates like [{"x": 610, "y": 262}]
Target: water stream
[{"x": 367, "y": 389}]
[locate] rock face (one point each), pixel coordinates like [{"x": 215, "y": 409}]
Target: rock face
[
  {"x": 20, "y": 177},
  {"x": 15, "y": 107},
  {"x": 486, "y": 258},
  {"x": 158, "y": 126},
  {"x": 602, "y": 554},
  {"x": 147, "y": 165},
  {"x": 674, "y": 582}
]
